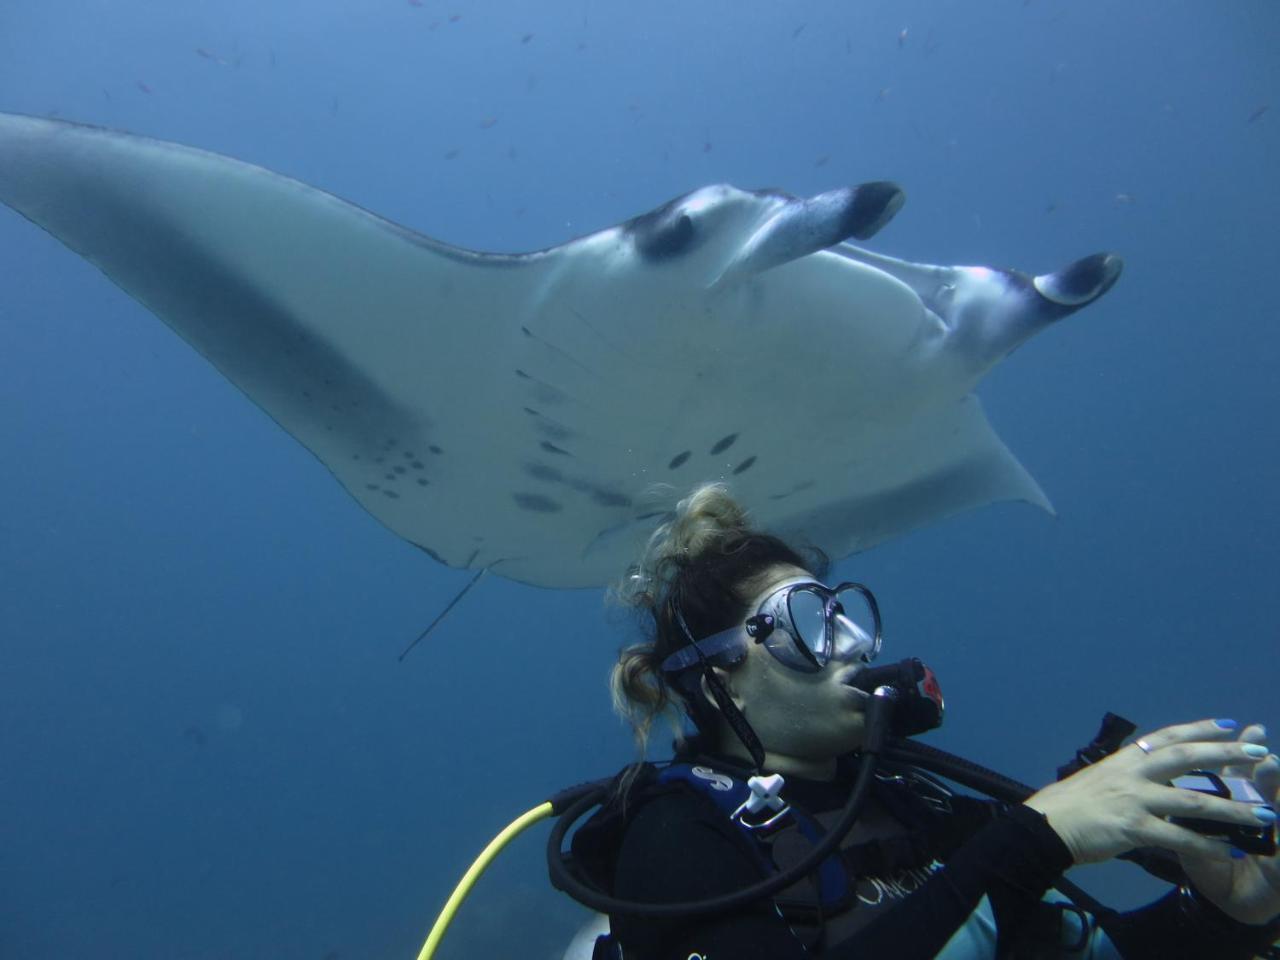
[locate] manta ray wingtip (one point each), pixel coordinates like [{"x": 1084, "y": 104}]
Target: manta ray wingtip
[{"x": 1080, "y": 283}]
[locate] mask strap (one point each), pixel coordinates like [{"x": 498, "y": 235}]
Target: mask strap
[{"x": 732, "y": 715}]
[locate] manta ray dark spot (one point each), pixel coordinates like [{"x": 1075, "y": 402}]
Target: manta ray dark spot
[
  {"x": 372, "y": 486},
  {"x": 663, "y": 233},
  {"x": 540, "y": 471},
  {"x": 724, "y": 443},
  {"x": 355, "y": 456},
  {"x": 423, "y": 481},
  {"x": 744, "y": 466},
  {"x": 521, "y": 374},
  {"x": 550, "y": 447},
  {"x": 536, "y": 503},
  {"x": 434, "y": 449},
  {"x": 391, "y": 493},
  {"x": 408, "y": 454},
  {"x": 399, "y": 469},
  {"x": 679, "y": 459},
  {"x": 388, "y": 476},
  {"x": 417, "y": 464},
  {"x": 610, "y": 498}
]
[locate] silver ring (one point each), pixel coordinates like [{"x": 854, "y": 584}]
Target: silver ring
[{"x": 1143, "y": 745}]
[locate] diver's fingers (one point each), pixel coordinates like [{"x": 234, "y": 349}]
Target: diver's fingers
[
  {"x": 1156, "y": 832},
  {"x": 1254, "y": 733},
  {"x": 1198, "y": 730},
  {"x": 1266, "y": 777},
  {"x": 1165, "y": 763},
  {"x": 1178, "y": 802}
]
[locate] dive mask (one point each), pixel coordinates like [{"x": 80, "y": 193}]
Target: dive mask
[{"x": 803, "y": 624}]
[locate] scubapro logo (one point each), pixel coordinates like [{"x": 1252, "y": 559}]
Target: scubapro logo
[{"x": 718, "y": 782}]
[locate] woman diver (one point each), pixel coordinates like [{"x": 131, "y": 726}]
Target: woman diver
[{"x": 763, "y": 659}]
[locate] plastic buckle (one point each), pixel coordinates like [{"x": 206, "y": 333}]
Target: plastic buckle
[{"x": 764, "y": 796}]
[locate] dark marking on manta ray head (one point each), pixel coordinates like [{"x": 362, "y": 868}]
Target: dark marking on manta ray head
[
  {"x": 543, "y": 472},
  {"x": 408, "y": 454},
  {"x": 355, "y": 456},
  {"x": 550, "y": 447},
  {"x": 434, "y": 449},
  {"x": 379, "y": 459},
  {"x": 417, "y": 464},
  {"x": 663, "y": 233},
  {"x": 389, "y": 476},
  {"x": 724, "y": 443},
  {"x": 744, "y": 466},
  {"x": 392, "y": 494},
  {"x": 536, "y": 503},
  {"x": 423, "y": 481},
  {"x": 679, "y": 459},
  {"x": 399, "y": 469},
  {"x": 372, "y": 486}
]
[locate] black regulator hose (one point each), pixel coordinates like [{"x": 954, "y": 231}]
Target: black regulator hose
[{"x": 564, "y": 877}]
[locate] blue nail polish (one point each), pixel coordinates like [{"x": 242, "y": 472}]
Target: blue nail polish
[
  {"x": 1256, "y": 750},
  {"x": 1226, "y": 724},
  {"x": 1237, "y": 853},
  {"x": 1265, "y": 814}
]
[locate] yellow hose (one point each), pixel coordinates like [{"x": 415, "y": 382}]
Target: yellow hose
[{"x": 512, "y": 830}]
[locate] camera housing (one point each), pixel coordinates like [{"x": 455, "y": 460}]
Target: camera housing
[{"x": 1260, "y": 839}]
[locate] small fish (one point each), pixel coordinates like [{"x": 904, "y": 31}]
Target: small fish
[
  {"x": 415, "y": 3},
  {"x": 526, "y": 38},
  {"x": 798, "y": 30},
  {"x": 204, "y": 53},
  {"x": 1253, "y": 117},
  {"x": 822, "y": 160},
  {"x": 883, "y": 94},
  {"x": 1125, "y": 199},
  {"x": 143, "y": 87},
  {"x": 1050, "y": 207},
  {"x": 452, "y": 154},
  {"x": 902, "y": 37},
  {"x": 455, "y": 17},
  {"x": 706, "y": 147},
  {"x": 488, "y": 122}
]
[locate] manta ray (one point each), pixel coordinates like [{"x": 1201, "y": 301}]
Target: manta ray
[{"x": 537, "y": 415}]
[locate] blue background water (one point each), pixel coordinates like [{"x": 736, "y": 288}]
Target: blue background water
[{"x": 207, "y": 747}]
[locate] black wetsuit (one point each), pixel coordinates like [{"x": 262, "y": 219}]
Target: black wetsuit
[{"x": 958, "y": 873}]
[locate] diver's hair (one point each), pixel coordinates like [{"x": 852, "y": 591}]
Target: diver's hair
[{"x": 701, "y": 562}]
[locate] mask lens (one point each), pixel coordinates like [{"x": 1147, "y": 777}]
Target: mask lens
[
  {"x": 856, "y": 636},
  {"x": 808, "y": 616}
]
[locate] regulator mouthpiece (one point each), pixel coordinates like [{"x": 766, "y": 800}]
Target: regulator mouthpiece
[{"x": 919, "y": 707}]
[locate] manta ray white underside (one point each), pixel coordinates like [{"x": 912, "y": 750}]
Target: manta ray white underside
[{"x": 537, "y": 415}]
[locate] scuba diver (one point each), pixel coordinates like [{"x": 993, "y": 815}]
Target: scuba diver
[{"x": 771, "y": 668}]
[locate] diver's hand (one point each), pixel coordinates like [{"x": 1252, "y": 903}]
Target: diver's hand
[
  {"x": 1120, "y": 803},
  {"x": 1246, "y": 888}
]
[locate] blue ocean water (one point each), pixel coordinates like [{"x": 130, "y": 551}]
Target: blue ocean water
[{"x": 207, "y": 746}]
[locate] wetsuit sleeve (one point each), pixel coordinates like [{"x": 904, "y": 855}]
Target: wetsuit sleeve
[
  {"x": 675, "y": 851},
  {"x": 1185, "y": 926},
  {"x": 1012, "y": 860}
]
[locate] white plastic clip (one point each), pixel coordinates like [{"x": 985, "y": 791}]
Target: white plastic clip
[{"x": 764, "y": 795}]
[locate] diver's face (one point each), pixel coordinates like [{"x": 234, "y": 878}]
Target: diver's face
[{"x": 806, "y": 716}]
